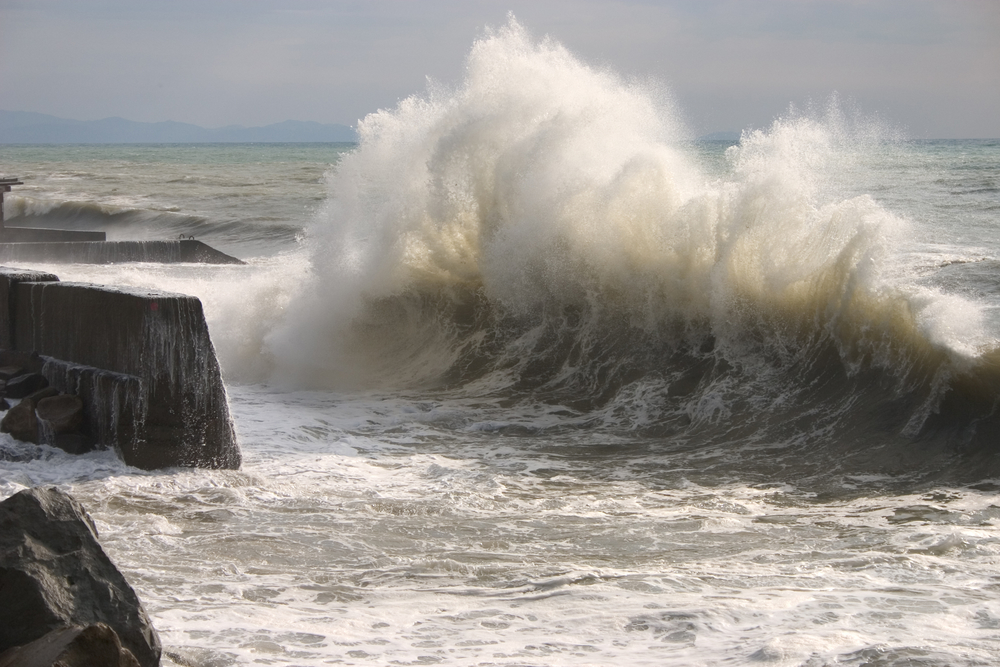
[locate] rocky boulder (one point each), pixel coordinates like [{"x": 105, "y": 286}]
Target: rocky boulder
[
  {"x": 24, "y": 385},
  {"x": 54, "y": 574},
  {"x": 60, "y": 414},
  {"x": 21, "y": 421},
  {"x": 94, "y": 646},
  {"x": 8, "y": 372},
  {"x": 60, "y": 423}
]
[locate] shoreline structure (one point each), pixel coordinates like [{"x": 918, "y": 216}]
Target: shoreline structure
[
  {"x": 141, "y": 361},
  {"x": 139, "y": 368}
]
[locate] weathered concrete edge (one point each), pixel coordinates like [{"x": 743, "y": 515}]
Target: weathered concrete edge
[
  {"x": 37, "y": 235},
  {"x": 115, "y": 252},
  {"x": 9, "y": 278},
  {"x": 158, "y": 399}
]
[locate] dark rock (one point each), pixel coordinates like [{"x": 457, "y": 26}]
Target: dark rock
[
  {"x": 73, "y": 443},
  {"x": 40, "y": 394},
  {"x": 20, "y": 422},
  {"x": 94, "y": 646},
  {"x": 23, "y": 385},
  {"x": 28, "y": 362},
  {"x": 59, "y": 414},
  {"x": 8, "y": 372},
  {"x": 4, "y": 405},
  {"x": 54, "y": 573}
]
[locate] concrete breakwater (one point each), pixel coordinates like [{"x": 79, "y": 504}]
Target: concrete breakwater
[
  {"x": 38, "y": 235},
  {"x": 141, "y": 361},
  {"x": 112, "y": 252}
]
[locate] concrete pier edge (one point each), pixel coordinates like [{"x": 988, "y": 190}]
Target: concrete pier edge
[
  {"x": 113, "y": 252},
  {"x": 141, "y": 360}
]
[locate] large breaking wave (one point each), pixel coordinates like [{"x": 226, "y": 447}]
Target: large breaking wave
[{"x": 541, "y": 232}]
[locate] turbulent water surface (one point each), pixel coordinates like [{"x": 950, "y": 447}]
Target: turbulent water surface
[{"x": 527, "y": 377}]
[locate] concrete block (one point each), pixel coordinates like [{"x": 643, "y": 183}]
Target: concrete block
[
  {"x": 8, "y": 278},
  {"x": 161, "y": 338},
  {"x": 36, "y": 235},
  {"x": 140, "y": 360},
  {"x": 115, "y": 252}
]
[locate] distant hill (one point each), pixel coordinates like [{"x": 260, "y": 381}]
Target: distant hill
[{"x": 26, "y": 127}]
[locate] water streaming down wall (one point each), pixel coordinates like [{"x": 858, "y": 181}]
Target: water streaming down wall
[{"x": 141, "y": 360}]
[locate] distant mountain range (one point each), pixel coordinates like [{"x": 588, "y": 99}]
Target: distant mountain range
[{"x": 26, "y": 127}]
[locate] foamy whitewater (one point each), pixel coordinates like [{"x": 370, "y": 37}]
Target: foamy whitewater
[{"x": 530, "y": 377}]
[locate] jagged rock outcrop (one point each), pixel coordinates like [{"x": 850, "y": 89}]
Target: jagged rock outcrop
[{"x": 54, "y": 574}]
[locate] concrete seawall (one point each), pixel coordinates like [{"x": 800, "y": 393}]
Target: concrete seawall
[
  {"x": 113, "y": 252},
  {"x": 35, "y": 235},
  {"x": 141, "y": 360}
]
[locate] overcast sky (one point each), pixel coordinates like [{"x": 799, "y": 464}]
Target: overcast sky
[{"x": 931, "y": 67}]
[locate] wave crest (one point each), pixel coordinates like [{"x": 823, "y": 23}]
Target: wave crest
[{"x": 542, "y": 228}]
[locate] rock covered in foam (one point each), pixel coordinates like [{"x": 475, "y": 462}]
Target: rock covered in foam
[{"x": 54, "y": 574}]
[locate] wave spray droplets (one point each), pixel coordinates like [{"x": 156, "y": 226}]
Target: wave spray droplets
[
  {"x": 626, "y": 398},
  {"x": 542, "y": 232}
]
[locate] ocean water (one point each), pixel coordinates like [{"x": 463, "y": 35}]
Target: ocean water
[{"x": 529, "y": 377}]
